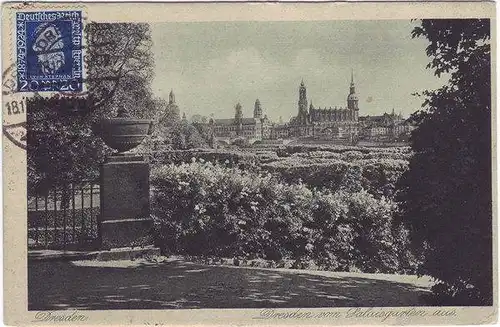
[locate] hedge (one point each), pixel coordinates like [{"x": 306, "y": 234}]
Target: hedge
[
  {"x": 377, "y": 176},
  {"x": 207, "y": 209}
]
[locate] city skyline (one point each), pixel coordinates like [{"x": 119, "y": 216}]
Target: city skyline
[{"x": 212, "y": 66}]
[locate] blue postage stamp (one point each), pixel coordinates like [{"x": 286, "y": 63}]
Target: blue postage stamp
[{"x": 49, "y": 51}]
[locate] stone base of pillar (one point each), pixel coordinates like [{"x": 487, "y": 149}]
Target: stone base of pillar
[
  {"x": 125, "y": 219},
  {"x": 126, "y": 232}
]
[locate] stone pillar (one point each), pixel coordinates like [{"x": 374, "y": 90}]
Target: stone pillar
[{"x": 125, "y": 219}]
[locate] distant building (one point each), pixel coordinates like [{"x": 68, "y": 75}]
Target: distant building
[
  {"x": 257, "y": 127},
  {"x": 386, "y": 127},
  {"x": 279, "y": 131},
  {"x": 172, "y": 106}
]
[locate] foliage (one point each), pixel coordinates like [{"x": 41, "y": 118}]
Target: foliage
[
  {"x": 376, "y": 176},
  {"x": 447, "y": 192},
  {"x": 209, "y": 209},
  {"x": 61, "y": 144},
  {"x": 119, "y": 65},
  {"x": 170, "y": 132},
  {"x": 187, "y": 136}
]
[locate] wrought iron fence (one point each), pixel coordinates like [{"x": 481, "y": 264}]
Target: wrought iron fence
[{"x": 65, "y": 217}]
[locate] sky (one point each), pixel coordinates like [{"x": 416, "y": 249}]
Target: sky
[{"x": 211, "y": 66}]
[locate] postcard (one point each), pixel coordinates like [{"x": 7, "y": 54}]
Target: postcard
[{"x": 249, "y": 163}]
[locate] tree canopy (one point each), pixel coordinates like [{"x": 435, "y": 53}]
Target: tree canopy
[{"x": 447, "y": 193}]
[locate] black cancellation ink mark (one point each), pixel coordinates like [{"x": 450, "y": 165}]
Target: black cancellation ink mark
[{"x": 14, "y": 124}]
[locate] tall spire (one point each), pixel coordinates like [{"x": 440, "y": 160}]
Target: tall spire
[
  {"x": 171, "y": 97},
  {"x": 352, "y": 89},
  {"x": 302, "y": 99},
  {"x": 352, "y": 98}
]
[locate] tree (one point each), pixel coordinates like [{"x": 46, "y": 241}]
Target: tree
[
  {"x": 172, "y": 132},
  {"x": 61, "y": 143},
  {"x": 119, "y": 63},
  {"x": 446, "y": 194},
  {"x": 199, "y": 119}
]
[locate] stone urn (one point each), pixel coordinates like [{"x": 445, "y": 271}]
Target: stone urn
[{"x": 124, "y": 133}]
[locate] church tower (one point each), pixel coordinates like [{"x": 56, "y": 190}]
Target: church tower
[
  {"x": 172, "y": 109},
  {"x": 352, "y": 98},
  {"x": 302, "y": 116},
  {"x": 238, "y": 118},
  {"x": 257, "y": 111}
]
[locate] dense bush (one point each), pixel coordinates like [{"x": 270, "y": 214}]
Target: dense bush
[
  {"x": 316, "y": 173},
  {"x": 377, "y": 176},
  {"x": 208, "y": 209}
]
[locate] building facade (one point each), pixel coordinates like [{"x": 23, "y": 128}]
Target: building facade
[
  {"x": 256, "y": 128},
  {"x": 385, "y": 128}
]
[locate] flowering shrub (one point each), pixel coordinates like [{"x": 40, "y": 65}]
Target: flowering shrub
[
  {"x": 210, "y": 209},
  {"x": 238, "y": 158},
  {"x": 351, "y": 155}
]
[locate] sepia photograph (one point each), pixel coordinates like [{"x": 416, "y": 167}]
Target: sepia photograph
[{"x": 254, "y": 164}]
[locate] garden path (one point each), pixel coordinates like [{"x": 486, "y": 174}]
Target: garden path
[{"x": 175, "y": 283}]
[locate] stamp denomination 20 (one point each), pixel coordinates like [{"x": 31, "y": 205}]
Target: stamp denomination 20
[{"x": 49, "y": 51}]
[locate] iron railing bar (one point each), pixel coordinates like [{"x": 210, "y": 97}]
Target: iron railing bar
[
  {"x": 55, "y": 216},
  {"x": 91, "y": 205},
  {"x": 46, "y": 218},
  {"x": 83, "y": 211},
  {"x": 36, "y": 220},
  {"x": 73, "y": 211},
  {"x": 63, "y": 199}
]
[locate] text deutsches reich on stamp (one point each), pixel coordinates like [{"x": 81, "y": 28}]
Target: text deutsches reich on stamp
[{"x": 49, "y": 51}]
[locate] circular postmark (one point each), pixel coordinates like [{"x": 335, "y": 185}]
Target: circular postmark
[
  {"x": 9, "y": 78},
  {"x": 14, "y": 109}
]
